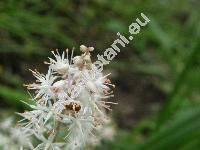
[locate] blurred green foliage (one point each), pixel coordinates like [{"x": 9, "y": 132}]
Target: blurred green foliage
[
  {"x": 181, "y": 133},
  {"x": 167, "y": 49}
]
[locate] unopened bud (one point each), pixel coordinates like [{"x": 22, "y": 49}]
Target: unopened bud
[
  {"x": 63, "y": 69},
  {"x": 78, "y": 61},
  {"x": 83, "y": 48},
  {"x": 90, "y": 49},
  {"x": 87, "y": 59}
]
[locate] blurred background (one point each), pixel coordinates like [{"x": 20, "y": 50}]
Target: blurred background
[{"x": 157, "y": 75}]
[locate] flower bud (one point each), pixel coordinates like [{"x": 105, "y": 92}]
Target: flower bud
[
  {"x": 90, "y": 49},
  {"x": 78, "y": 61},
  {"x": 58, "y": 86},
  {"x": 63, "y": 69},
  {"x": 87, "y": 59},
  {"x": 83, "y": 48}
]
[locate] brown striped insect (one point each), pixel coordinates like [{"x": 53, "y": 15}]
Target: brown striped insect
[{"x": 73, "y": 106}]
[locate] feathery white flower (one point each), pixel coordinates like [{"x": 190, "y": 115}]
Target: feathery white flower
[
  {"x": 79, "y": 130},
  {"x": 43, "y": 85},
  {"x": 14, "y": 138},
  {"x": 60, "y": 64},
  {"x": 70, "y": 99}
]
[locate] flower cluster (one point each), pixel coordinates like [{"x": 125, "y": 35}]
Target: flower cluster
[
  {"x": 69, "y": 102},
  {"x": 13, "y": 138}
]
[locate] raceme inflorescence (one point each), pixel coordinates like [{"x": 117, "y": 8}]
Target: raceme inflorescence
[{"x": 69, "y": 103}]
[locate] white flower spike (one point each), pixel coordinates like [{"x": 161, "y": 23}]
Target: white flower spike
[{"x": 69, "y": 102}]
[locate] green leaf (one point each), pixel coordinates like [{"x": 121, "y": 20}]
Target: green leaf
[
  {"x": 13, "y": 97},
  {"x": 177, "y": 134}
]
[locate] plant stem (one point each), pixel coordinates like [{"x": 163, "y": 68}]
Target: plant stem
[{"x": 57, "y": 128}]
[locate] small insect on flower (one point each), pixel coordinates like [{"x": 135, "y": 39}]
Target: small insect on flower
[
  {"x": 73, "y": 106},
  {"x": 70, "y": 98}
]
